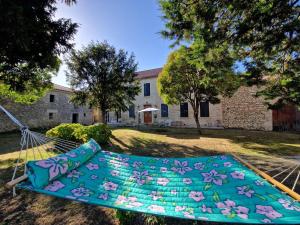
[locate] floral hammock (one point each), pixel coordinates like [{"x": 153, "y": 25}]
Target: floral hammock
[{"x": 216, "y": 188}]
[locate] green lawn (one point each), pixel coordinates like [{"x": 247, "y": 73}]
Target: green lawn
[{"x": 30, "y": 208}]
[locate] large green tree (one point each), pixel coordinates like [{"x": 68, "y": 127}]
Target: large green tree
[
  {"x": 264, "y": 34},
  {"x": 199, "y": 73},
  {"x": 31, "y": 41},
  {"x": 103, "y": 77}
]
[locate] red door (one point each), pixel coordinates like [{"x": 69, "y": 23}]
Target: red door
[
  {"x": 147, "y": 115},
  {"x": 284, "y": 118}
]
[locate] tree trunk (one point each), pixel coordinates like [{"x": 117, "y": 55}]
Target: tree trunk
[
  {"x": 196, "y": 117},
  {"x": 103, "y": 113}
]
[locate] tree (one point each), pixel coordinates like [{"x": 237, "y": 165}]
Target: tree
[
  {"x": 103, "y": 77},
  {"x": 197, "y": 74},
  {"x": 31, "y": 41},
  {"x": 264, "y": 34}
]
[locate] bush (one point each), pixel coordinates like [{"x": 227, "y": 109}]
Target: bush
[
  {"x": 64, "y": 131},
  {"x": 100, "y": 133},
  {"x": 79, "y": 133}
]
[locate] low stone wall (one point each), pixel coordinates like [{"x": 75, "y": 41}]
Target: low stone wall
[
  {"x": 244, "y": 110},
  {"x": 37, "y": 114}
]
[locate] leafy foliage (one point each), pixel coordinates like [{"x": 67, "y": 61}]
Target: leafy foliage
[
  {"x": 99, "y": 132},
  {"x": 103, "y": 77},
  {"x": 79, "y": 133},
  {"x": 30, "y": 44},
  {"x": 196, "y": 74},
  {"x": 264, "y": 34}
]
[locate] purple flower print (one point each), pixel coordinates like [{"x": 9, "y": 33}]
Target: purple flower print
[
  {"x": 94, "y": 147},
  {"x": 163, "y": 169},
  {"x": 92, "y": 166},
  {"x": 238, "y": 175},
  {"x": 162, "y": 181},
  {"x": 74, "y": 174},
  {"x": 216, "y": 165},
  {"x": 123, "y": 161},
  {"x": 206, "y": 209},
  {"x": 223, "y": 157},
  {"x": 188, "y": 215},
  {"x": 152, "y": 167},
  {"x": 57, "y": 165},
  {"x": 156, "y": 208},
  {"x": 165, "y": 161},
  {"x": 181, "y": 167},
  {"x": 101, "y": 159},
  {"x": 287, "y": 204},
  {"x": 214, "y": 176},
  {"x": 268, "y": 211},
  {"x": 130, "y": 202},
  {"x": 141, "y": 177},
  {"x": 173, "y": 192},
  {"x": 227, "y": 164},
  {"x": 229, "y": 206},
  {"x": 180, "y": 208},
  {"x": 103, "y": 196},
  {"x": 259, "y": 183},
  {"x": 137, "y": 164},
  {"x": 94, "y": 177},
  {"x": 196, "y": 195},
  {"x": 81, "y": 191},
  {"x": 266, "y": 220},
  {"x": 71, "y": 154},
  {"x": 115, "y": 173},
  {"x": 155, "y": 195},
  {"x": 187, "y": 181},
  {"x": 199, "y": 166},
  {"x": 110, "y": 186},
  {"x": 244, "y": 190},
  {"x": 54, "y": 186}
]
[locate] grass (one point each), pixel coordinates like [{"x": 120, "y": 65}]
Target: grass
[{"x": 31, "y": 208}]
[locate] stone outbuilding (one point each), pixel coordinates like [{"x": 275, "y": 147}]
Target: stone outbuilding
[{"x": 54, "y": 108}]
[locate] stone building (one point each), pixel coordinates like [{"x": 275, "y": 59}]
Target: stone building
[
  {"x": 54, "y": 108},
  {"x": 243, "y": 110}
]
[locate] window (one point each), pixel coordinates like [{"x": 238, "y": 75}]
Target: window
[
  {"x": 204, "y": 109},
  {"x": 51, "y": 115},
  {"x": 147, "y": 89},
  {"x": 164, "y": 110},
  {"x": 84, "y": 114},
  {"x": 131, "y": 111},
  {"x": 52, "y": 98},
  {"x": 184, "y": 110}
]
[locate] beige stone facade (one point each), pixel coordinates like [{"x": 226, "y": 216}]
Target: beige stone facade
[
  {"x": 242, "y": 110},
  {"x": 46, "y": 113}
]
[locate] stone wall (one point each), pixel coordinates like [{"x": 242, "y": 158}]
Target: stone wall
[
  {"x": 37, "y": 114},
  {"x": 244, "y": 110}
]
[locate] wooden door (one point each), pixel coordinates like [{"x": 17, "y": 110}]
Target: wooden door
[
  {"x": 284, "y": 118},
  {"x": 147, "y": 115}
]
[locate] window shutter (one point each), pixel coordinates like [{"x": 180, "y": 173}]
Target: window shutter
[
  {"x": 184, "y": 110},
  {"x": 164, "y": 110},
  {"x": 147, "y": 89},
  {"x": 204, "y": 109}
]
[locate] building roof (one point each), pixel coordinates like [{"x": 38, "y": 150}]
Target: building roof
[
  {"x": 62, "y": 88},
  {"x": 148, "y": 73}
]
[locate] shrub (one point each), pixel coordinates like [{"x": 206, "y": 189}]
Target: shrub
[
  {"x": 64, "y": 131},
  {"x": 79, "y": 133},
  {"x": 99, "y": 132}
]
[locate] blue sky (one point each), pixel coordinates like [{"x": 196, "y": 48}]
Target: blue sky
[{"x": 132, "y": 25}]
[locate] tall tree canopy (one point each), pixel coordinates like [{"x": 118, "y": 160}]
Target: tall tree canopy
[
  {"x": 264, "y": 34},
  {"x": 198, "y": 73},
  {"x": 31, "y": 41},
  {"x": 103, "y": 77}
]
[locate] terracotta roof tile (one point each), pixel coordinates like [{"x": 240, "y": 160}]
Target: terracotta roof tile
[{"x": 148, "y": 73}]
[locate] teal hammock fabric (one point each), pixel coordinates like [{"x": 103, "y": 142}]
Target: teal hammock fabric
[{"x": 216, "y": 188}]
